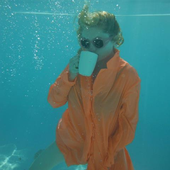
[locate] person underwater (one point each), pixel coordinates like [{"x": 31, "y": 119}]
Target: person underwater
[{"x": 102, "y": 113}]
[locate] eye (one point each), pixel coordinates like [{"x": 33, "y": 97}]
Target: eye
[
  {"x": 98, "y": 43},
  {"x": 85, "y": 43}
]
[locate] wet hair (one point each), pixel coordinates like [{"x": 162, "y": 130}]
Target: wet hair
[{"x": 100, "y": 19}]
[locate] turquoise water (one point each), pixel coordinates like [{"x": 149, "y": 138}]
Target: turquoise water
[{"x": 37, "y": 39}]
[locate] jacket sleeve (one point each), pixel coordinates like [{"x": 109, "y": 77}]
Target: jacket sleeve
[
  {"x": 59, "y": 91},
  {"x": 127, "y": 119}
]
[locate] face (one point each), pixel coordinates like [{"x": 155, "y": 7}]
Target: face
[{"x": 103, "y": 52}]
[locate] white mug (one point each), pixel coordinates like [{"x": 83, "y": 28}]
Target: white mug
[{"x": 87, "y": 63}]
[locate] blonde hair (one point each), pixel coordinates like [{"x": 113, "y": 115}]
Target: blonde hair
[{"x": 101, "y": 19}]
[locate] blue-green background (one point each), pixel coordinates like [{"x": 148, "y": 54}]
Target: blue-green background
[{"x": 36, "y": 47}]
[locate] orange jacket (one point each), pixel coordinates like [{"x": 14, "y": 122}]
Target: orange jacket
[{"x": 101, "y": 118}]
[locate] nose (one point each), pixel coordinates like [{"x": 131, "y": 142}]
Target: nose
[{"x": 92, "y": 48}]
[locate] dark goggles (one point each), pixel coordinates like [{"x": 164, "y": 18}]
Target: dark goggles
[{"x": 97, "y": 42}]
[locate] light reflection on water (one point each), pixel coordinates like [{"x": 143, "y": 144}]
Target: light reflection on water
[
  {"x": 67, "y": 14},
  {"x": 10, "y": 157}
]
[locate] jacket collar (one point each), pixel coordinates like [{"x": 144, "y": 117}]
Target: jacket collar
[{"x": 113, "y": 63}]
